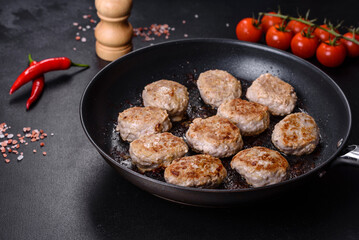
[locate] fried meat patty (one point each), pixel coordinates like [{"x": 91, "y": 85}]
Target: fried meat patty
[
  {"x": 169, "y": 95},
  {"x": 274, "y": 93},
  {"x": 156, "y": 150},
  {"x": 251, "y": 118},
  {"x": 215, "y": 135},
  {"x": 137, "y": 121},
  {"x": 260, "y": 166},
  {"x": 202, "y": 171},
  {"x": 296, "y": 134},
  {"x": 215, "y": 86}
]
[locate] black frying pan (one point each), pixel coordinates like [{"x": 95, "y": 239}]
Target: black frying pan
[{"x": 120, "y": 84}]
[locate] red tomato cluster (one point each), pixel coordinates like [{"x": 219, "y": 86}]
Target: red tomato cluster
[
  {"x": 249, "y": 30},
  {"x": 304, "y": 44},
  {"x": 303, "y": 40},
  {"x": 352, "y": 48}
]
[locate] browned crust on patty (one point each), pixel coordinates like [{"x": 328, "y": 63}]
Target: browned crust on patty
[
  {"x": 296, "y": 134},
  {"x": 196, "y": 171},
  {"x": 214, "y": 129},
  {"x": 169, "y": 95},
  {"x": 142, "y": 114},
  {"x": 250, "y": 117},
  {"x": 240, "y": 106},
  {"x": 291, "y": 123},
  {"x": 216, "y": 86},
  {"x": 157, "y": 150},
  {"x": 137, "y": 121},
  {"x": 273, "y": 92},
  {"x": 250, "y": 157}
]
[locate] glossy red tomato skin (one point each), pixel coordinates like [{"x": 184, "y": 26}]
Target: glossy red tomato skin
[
  {"x": 303, "y": 46},
  {"x": 246, "y": 30},
  {"x": 296, "y": 27},
  {"x": 352, "y": 48},
  {"x": 331, "y": 56},
  {"x": 278, "y": 39},
  {"x": 323, "y": 35},
  {"x": 268, "y": 21}
]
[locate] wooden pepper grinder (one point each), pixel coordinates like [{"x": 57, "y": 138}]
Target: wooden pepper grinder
[{"x": 113, "y": 33}]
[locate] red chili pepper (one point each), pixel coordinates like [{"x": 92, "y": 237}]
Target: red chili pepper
[
  {"x": 37, "y": 86},
  {"x": 42, "y": 67}
]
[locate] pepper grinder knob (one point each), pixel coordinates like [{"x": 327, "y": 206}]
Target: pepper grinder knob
[{"x": 113, "y": 33}]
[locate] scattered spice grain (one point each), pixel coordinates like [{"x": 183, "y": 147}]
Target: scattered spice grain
[
  {"x": 85, "y": 23},
  {"x": 12, "y": 145},
  {"x": 155, "y": 29}
]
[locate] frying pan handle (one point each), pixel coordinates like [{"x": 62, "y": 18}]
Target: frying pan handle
[{"x": 350, "y": 158}]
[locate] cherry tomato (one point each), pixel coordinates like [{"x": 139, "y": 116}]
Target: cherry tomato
[
  {"x": 268, "y": 21},
  {"x": 352, "y": 48},
  {"x": 304, "y": 46},
  {"x": 296, "y": 27},
  {"x": 331, "y": 55},
  {"x": 249, "y": 30},
  {"x": 278, "y": 38},
  {"x": 323, "y": 35}
]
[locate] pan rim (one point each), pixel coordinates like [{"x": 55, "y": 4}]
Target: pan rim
[{"x": 262, "y": 47}]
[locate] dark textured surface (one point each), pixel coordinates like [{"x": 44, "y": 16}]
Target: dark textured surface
[{"x": 73, "y": 194}]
